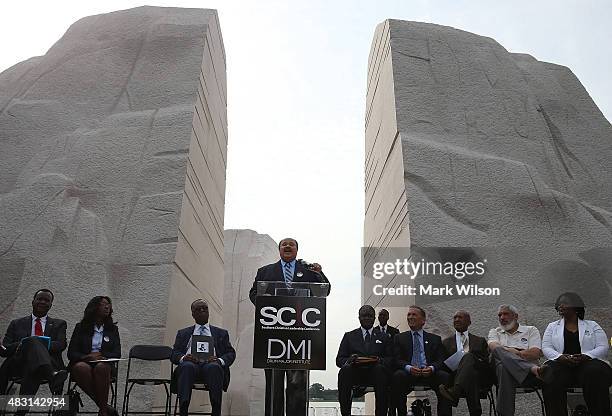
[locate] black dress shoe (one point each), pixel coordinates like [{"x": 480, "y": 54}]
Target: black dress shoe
[
  {"x": 57, "y": 380},
  {"x": 112, "y": 411},
  {"x": 545, "y": 373},
  {"x": 449, "y": 394}
]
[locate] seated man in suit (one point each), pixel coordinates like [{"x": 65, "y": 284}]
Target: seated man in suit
[
  {"x": 516, "y": 350},
  {"x": 361, "y": 358},
  {"x": 388, "y": 330},
  {"x": 473, "y": 372},
  {"x": 214, "y": 372},
  {"x": 30, "y": 358},
  {"x": 419, "y": 359}
]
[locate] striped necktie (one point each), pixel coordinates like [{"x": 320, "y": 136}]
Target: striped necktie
[
  {"x": 287, "y": 273},
  {"x": 416, "y": 351}
]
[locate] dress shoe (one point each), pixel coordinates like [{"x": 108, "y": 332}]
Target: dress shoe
[
  {"x": 56, "y": 382},
  {"x": 545, "y": 373},
  {"x": 450, "y": 394}
]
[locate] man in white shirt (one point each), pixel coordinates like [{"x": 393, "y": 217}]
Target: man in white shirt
[
  {"x": 473, "y": 371},
  {"x": 516, "y": 350}
]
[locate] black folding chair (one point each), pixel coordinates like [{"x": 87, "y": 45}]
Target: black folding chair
[
  {"x": 72, "y": 385},
  {"x": 174, "y": 390},
  {"x": 147, "y": 353}
]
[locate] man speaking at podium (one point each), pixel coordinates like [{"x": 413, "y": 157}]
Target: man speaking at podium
[{"x": 288, "y": 270}]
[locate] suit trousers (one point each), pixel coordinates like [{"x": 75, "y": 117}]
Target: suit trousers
[
  {"x": 403, "y": 383},
  {"x": 375, "y": 376},
  {"x": 472, "y": 376},
  {"x": 294, "y": 394},
  {"x": 593, "y": 376},
  {"x": 209, "y": 373},
  {"x": 28, "y": 363},
  {"x": 512, "y": 371}
]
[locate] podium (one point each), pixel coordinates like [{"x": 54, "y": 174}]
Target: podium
[{"x": 289, "y": 330}]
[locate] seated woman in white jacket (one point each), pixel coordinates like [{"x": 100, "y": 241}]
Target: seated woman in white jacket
[{"x": 577, "y": 350}]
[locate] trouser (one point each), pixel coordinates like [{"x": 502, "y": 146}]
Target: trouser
[
  {"x": 512, "y": 371},
  {"x": 593, "y": 376},
  {"x": 209, "y": 373},
  {"x": 471, "y": 377},
  {"x": 32, "y": 363},
  {"x": 403, "y": 382},
  {"x": 295, "y": 394},
  {"x": 351, "y": 375}
]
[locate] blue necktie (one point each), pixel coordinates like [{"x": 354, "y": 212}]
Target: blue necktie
[
  {"x": 288, "y": 274},
  {"x": 416, "y": 350}
]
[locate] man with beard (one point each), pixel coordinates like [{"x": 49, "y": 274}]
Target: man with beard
[
  {"x": 516, "y": 350},
  {"x": 473, "y": 372},
  {"x": 361, "y": 358},
  {"x": 287, "y": 270},
  {"x": 32, "y": 358}
]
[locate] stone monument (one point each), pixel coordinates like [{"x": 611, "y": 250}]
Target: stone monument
[
  {"x": 245, "y": 252},
  {"x": 469, "y": 145},
  {"x": 112, "y": 172}
]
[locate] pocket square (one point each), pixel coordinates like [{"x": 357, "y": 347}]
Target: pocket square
[{"x": 378, "y": 341}]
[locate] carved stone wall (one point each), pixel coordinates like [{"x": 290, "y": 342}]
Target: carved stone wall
[
  {"x": 112, "y": 172},
  {"x": 245, "y": 252},
  {"x": 470, "y": 145}
]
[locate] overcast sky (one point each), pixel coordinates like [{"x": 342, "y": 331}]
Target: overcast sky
[{"x": 296, "y": 99}]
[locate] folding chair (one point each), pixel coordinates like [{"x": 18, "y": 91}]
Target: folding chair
[
  {"x": 174, "y": 390},
  {"x": 147, "y": 353}
]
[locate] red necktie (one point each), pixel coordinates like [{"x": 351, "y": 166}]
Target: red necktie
[{"x": 38, "y": 328}]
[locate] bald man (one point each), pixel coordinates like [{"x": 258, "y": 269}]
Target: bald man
[{"x": 473, "y": 373}]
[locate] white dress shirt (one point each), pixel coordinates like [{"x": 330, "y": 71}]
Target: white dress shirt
[
  {"x": 366, "y": 331},
  {"x": 96, "y": 340},
  {"x": 460, "y": 346},
  {"x": 201, "y": 330},
  {"x": 43, "y": 322}
]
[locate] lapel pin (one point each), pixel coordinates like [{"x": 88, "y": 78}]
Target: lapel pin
[
  {"x": 106, "y": 338},
  {"x": 299, "y": 274}
]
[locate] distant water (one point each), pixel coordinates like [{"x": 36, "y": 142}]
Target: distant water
[{"x": 333, "y": 409}]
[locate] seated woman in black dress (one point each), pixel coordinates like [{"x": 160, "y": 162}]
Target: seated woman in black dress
[
  {"x": 577, "y": 350},
  {"x": 94, "y": 338}
]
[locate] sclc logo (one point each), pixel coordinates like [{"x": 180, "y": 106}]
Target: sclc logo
[{"x": 273, "y": 316}]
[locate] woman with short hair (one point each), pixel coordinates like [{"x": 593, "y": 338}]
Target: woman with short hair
[
  {"x": 576, "y": 350},
  {"x": 95, "y": 338}
]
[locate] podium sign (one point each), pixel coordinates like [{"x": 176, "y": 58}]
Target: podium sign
[{"x": 289, "y": 333}]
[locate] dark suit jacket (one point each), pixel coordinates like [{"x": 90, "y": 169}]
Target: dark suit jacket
[
  {"x": 353, "y": 343},
  {"x": 434, "y": 350},
  {"x": 391, "y": 331},
  {"x": 478, "y": 347},
  {"x": 223, "y": 348},
  {"x": 22, "y": 328},
  {"x": 274, "y": 273},
  {"x": 80, "y": 343}
]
